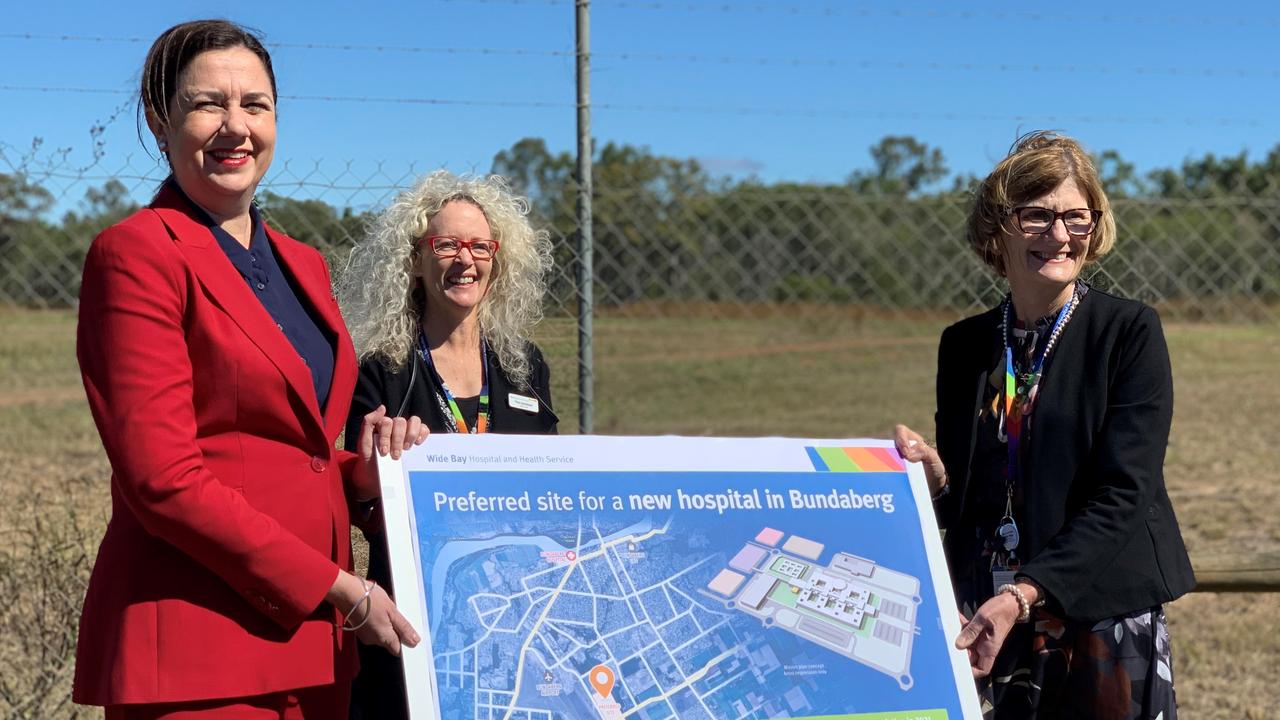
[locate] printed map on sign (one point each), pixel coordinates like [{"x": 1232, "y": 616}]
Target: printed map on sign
[
  {"x": 862, "y": 611},
  {"x": 671, "y": 578}
]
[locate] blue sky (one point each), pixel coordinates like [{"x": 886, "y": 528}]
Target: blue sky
[{"x": 784, "y": 90}]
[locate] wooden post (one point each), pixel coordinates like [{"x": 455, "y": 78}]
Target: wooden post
[{"x": 1249, "y": 573}]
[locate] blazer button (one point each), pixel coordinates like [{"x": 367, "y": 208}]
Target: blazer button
[{"x": 318, "y": 464}]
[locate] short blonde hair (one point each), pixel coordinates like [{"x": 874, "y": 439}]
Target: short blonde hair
[
  {"x": 1038, "y": 162},
  {"x": 381, "y": 299}
]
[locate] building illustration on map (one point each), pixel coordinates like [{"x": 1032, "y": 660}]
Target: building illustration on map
[{"x": 851, "y": 606}]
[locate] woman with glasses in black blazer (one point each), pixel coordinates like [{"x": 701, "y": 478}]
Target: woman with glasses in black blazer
[{"x": 1053, "y": 417}]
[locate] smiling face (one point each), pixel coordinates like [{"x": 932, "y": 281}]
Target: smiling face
[
  {"x": 455, "y": 286},
  {"x": 1045, "y": 265},
  {"x": 221, "y": 131}
]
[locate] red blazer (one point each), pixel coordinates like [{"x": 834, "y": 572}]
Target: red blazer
[{"x": 229, "y": 512}]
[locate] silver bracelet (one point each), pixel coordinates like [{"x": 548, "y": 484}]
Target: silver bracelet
[
  {"x": 1024, "y": 607},
  {"x": 366, "y": 600}
]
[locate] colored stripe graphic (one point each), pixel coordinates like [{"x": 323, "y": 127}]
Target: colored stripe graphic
[
  {"x": 854, "y": 459},
  {"x": 890, "y": 457},
  {"x": 894, "y": 715},
  {"x": 865, "y": 459},
  {"x": 874, "y": 459},
  {"x": 818, "y": 463},
  {"x": 837, "y": 460}
]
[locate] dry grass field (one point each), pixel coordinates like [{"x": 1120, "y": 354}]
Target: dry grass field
[{"x": 822, "y": 376}]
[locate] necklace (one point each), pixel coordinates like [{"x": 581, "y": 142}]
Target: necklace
[{"x": 1020, "y": 392}]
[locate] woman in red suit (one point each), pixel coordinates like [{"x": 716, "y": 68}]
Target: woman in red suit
[{"x": 219, "y": 374}]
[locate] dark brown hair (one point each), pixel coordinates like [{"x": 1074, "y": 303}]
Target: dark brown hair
[
  {"x": 174, "y": 50},
  {"x": 1038, "y": 162}
]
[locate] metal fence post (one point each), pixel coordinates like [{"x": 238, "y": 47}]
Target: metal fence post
[{"x": 585, "y": 236}]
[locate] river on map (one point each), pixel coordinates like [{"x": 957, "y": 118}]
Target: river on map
[{"x": 455, "y": 550}]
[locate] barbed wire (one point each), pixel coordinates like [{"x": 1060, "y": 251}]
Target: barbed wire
[
  {"x": 744, "y": 111},
  {"x": 757, "y": 8},
  {"x": 345, "y": 47},
  {"x": 945, "y": 67},
  {"x": 697, "y": 59},
  {"x": 62, "y": 89}
]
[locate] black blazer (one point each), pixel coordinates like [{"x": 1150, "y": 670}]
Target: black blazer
[
  {"x": 379, "y": 690},
  {"x": 1098, "y": 530},
  {"x": 406, "y": 395}
]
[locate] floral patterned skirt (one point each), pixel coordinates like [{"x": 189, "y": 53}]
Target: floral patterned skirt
[{"x": 1117, "y": 669}]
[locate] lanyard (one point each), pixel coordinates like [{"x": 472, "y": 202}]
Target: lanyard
[
  {"x": 1020, "y": 393},
  {"x": 1017, "y": 406},
  {"x": 460, "y": 423}
]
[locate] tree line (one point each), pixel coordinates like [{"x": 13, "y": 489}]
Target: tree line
[{"x": 666, "y": 229}]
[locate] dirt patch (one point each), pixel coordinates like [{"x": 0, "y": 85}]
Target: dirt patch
[{"x": 46, "y": 396}]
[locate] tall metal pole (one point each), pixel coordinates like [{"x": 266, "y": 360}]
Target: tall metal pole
[{"x": 586, "y": 271}]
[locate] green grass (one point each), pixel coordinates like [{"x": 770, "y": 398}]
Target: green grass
[
  {"x": 815, "y": 376},
  {"x": 748, "y": 376}
]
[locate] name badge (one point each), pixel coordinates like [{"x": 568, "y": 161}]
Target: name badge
[
  {"x": 522, "y": 402},
  {"x": 1000, "y": 578}
]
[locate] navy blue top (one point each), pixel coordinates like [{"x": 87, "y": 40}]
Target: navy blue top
[{"x": 276, "y": 290}]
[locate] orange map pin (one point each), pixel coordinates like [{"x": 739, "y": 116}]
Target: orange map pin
[{"x": 601, "y": 678}]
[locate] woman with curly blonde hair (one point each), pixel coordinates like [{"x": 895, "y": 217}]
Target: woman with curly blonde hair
[{"x": 440, "y": 298}]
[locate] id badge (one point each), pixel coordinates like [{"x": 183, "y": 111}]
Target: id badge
[
  {"x": 522, "y": 402},
  {"x": 1000, "y": 577}
]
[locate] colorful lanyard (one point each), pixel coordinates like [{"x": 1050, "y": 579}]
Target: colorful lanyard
[
  {"x": 1020, "y": 397},
  {"x": 460, "y": 423},
  {"x": 1019, "y": 402}
]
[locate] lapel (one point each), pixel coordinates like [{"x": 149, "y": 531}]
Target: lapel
[
  {"x": 978, "y": 377},
  {"x": 420, "y": 400},
  {"x": 319, "y": 294},
  {"x": 1056, "y": 391},
  {"x": 228, "y": 290},
  {"x": 422, "y": 392},
  {"x": 499, "y": 410},
  {"x": 508, "y": 419}
]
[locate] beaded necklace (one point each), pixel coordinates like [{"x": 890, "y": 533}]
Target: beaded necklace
[
  {"x": 1019, "y": 398},
  {"x": 1020, "y": 391}
]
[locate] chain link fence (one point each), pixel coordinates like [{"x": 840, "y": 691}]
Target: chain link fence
[
  {"x": 673, "y": 245},
  {"x": 713, "y": 248},
  {"x": 676, "y": 255}
]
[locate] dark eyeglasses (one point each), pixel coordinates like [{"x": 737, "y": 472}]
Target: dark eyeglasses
[
  {"x": 447, "y": 246},
  {"x": 1038, "y": 220}
]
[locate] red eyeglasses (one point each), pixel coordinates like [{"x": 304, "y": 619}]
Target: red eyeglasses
[{"x": 447, "y": 246}]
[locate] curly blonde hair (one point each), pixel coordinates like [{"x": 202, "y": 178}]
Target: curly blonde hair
[
  {"x": 1038, "y": 163},
  {"x": 383, "y": 303}
]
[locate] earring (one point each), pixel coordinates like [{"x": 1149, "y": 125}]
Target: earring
[{"x": 162, "y": 144}]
